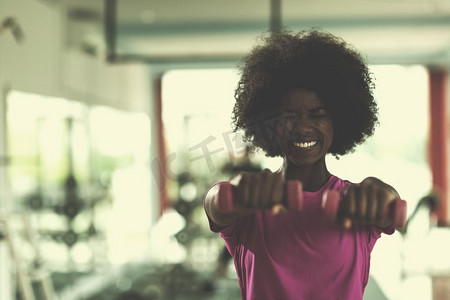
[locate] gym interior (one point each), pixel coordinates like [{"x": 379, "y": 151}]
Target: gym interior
[{"x": 116, "y": 118}]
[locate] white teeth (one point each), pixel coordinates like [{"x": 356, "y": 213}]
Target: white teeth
[{"x": 305, "y": 144}]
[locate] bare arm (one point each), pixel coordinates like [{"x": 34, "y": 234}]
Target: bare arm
[{"x": 212, "y": 209}]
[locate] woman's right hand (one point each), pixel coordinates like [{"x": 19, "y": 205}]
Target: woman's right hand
[
  {"x": 252, "y": 191},
  {"x": 258, "y": 191}
]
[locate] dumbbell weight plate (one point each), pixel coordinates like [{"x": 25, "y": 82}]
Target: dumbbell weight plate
[{"x": 330, "y": 204}]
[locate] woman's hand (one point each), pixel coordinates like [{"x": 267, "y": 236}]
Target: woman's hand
[
  {"x": 367, "y": 203},
  {"x": 259, "y": 191},
  {"x": 253, "y": 191}
]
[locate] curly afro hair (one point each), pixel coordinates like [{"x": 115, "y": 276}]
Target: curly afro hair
[{"x": 313, "y": 60}]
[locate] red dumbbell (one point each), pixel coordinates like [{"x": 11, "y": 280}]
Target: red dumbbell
[
  {"x": 396, "y": 210},
  {"x": 294, "y": 196}
]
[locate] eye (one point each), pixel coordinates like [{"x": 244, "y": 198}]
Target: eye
[
  {"x": 318, "y": 114},
  {"x": 287, "y": 116}
]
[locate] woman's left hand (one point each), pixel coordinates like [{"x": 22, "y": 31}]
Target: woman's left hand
[{"x": 367, "y": 203}]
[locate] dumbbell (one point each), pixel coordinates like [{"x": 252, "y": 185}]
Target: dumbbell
[
  {"x": 294, "y": 196},
  {"x": 396, "y": 210}
]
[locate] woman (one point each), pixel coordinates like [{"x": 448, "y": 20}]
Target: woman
[{"x": 302, "y": 96}]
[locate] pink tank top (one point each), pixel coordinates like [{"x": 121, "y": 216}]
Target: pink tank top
[{"x": 298, "y": 255}]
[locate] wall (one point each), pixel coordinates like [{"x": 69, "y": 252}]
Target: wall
[
  {"x": 31, "y": 65},
  {"x": 45, "y": 63}
]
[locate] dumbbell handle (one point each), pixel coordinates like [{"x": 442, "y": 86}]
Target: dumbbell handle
[
  {"x": 396, "y": 210},
  {"x": 227, "y": 192}
]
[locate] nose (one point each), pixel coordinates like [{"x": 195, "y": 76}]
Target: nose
[{"x": 303, "y": 123}]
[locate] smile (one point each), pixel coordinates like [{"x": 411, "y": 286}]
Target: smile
[{"x": 305, "y": 145}]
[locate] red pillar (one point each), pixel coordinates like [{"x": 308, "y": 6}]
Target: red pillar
[
  {"x": 161, "y": 146},
  {"x": 438, "y": 140}
]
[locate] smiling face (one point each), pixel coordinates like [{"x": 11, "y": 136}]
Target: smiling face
[{"x": 305, "y": 129}]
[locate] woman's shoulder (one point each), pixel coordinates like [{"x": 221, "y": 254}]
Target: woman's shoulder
[{"x": 336, "y": 183}]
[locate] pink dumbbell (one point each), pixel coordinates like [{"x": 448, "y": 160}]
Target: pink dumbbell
[
  {"x": 294, "y": 196},
  {"x": 396, "y": 210}
]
